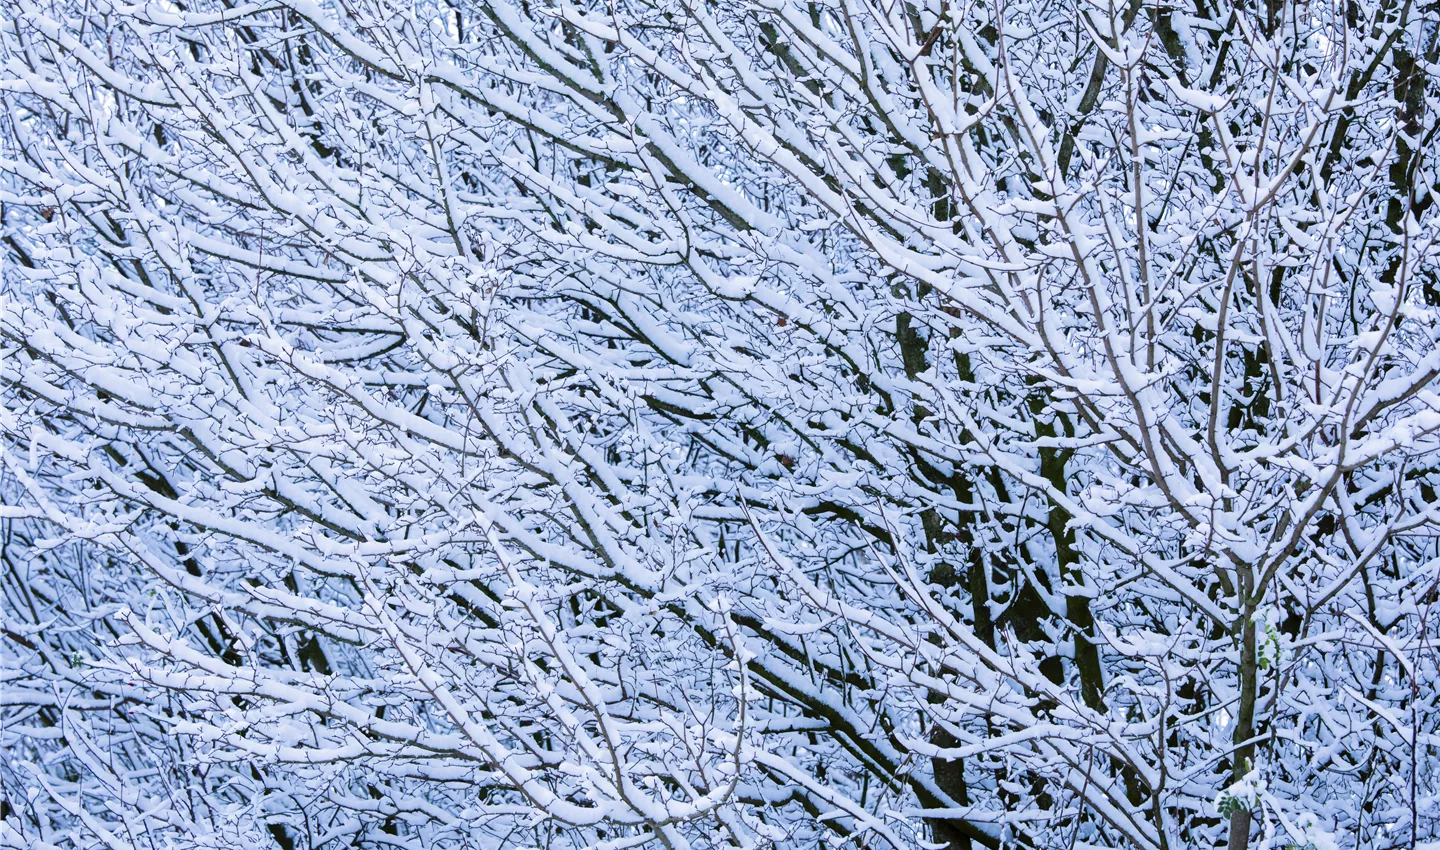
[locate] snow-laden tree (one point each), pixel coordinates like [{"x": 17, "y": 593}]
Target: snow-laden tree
[{"x": 756, "y": 423}]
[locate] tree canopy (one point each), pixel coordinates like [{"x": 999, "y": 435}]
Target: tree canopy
[{"x": 691, "y": 424}]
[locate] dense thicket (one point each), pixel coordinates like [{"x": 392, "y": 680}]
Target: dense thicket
[{"x": 749, "y": 423}]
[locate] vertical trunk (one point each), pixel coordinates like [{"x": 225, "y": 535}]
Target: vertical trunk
[
  {"x": 1244, "y": 730},
  {"x": 950, "y": 778},
  {"x": 1072, "y": 579},
  {"x": 1239, "y": 830}
]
